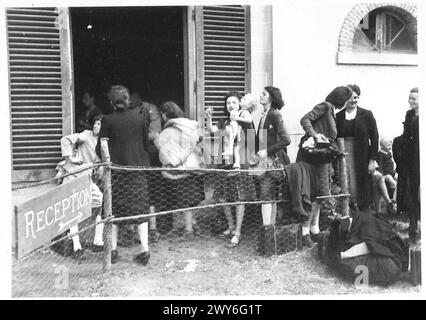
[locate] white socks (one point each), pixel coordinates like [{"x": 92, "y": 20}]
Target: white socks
[
  {"x": 76, "y": 239},
  {"x": 99, "y": 231},
  {"x": 143, "y": 235},
  {"x": 312, "y": 224},
  {"x": 268, "y": 213}
]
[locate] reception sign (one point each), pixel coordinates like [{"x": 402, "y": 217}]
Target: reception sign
[{"x": 41, "y": 219}]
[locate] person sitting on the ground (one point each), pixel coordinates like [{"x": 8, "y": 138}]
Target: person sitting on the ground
[
  {"x": 78, "y": 150},
  {"x": 365, "y": 247},
  {"x": 385, "y": 178}
]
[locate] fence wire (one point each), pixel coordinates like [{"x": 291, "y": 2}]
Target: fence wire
[{"x": 190, "y": 215}]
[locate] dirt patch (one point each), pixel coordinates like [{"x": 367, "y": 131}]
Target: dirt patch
[{"x": 200, "y": 267}]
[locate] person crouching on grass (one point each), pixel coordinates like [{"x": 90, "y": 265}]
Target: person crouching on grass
[{"x": 124, "y": 141}]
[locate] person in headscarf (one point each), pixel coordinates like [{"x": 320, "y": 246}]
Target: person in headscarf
[
  {"x": 320, "y": 123},
  {"x": 124, "y": 141},
  {"x": 357, "y": 126}
]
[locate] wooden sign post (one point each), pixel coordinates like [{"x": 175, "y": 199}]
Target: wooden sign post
[
  {"x": 41, "y": 219},
  {"x": 343, "y": 179}
]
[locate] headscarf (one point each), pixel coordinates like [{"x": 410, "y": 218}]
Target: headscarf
[{"x": 339, "y": 96}]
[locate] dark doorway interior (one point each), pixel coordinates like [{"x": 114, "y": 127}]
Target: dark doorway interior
[{"x": 138, "y": 47}]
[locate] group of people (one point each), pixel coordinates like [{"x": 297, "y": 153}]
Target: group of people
[{"x": 138, "y": 134}]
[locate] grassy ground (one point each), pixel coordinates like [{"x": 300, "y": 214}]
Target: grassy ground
[{"x": 200, "y": 267}]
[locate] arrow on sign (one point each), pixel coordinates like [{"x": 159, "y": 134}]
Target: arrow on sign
[{"x": 62, "y": 225}]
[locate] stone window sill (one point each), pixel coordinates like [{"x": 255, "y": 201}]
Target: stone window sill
[{"x": 367, "y": 58}]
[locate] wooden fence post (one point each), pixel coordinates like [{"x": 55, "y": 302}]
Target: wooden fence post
[
  {"x": 108, "y": 214},
  {"x": 343, "y": 179}
]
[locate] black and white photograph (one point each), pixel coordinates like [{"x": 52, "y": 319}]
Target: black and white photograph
[{"x": 221, "y": 150}]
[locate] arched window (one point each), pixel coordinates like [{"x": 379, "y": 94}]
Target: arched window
[
  {"x": 383, "y": 31},
  {"x": 379, "y": 34}
]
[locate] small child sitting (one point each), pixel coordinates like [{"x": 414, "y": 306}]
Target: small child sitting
[
  {"x": 243, "y": 116},
  {"x": 385, "y": 176}
]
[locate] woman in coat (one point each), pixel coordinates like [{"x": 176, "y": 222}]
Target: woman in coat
[
  {"x": 178, "y": 147},
  {"x": 124, "y": 141},
  {"x": 272, "y": 140},
  {"x": 320, "y": 123},
  {"x": 410, "y": 145},
  {"x": 358, "y": 128}
]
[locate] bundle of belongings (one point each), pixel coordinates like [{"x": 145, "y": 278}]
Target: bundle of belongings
[{"x": 365, "y": 242}]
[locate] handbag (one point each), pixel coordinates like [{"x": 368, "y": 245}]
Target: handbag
[{"x": 318, "y": 151}]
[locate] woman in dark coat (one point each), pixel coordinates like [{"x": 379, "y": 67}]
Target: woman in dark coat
[
  {"x": 411, "y": 161},
  {"x": 358, "y": 128},
  {"x": 124, "y": 141},
  {"x": 320, "y": 123},
  {"x": 272, "y": 140}
]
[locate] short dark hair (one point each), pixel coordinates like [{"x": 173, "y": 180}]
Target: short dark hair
[
  {"x": 354, "y": 88},
  {"x": 171, "y": 110},
  {"x": 415, "y": 90},
  {"x": 275, "y": 97},
  {"x": 228, "y": 95}
]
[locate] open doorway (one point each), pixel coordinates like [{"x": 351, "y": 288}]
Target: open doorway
[{"x": 141, "y": 48}]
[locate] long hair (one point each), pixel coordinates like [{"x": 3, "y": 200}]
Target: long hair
[
  {"x": 228, "y": 95},
  {"x": 171, "y": 110},
  {"x": 275, "y": 97}
]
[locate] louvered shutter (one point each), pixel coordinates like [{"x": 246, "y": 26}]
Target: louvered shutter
[
  {"x": 225, "y": 54},
  {"x": 35, "y": 87}
]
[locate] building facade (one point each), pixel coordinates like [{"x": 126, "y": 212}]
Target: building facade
[{"x": 194, "y": 55}]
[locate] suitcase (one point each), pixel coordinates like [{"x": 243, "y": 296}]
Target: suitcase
[
  {"x": 415, "y": 266},
  {"x": 275, "y": 240}
]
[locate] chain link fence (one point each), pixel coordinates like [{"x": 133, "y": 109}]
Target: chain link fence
[
  {"x": 185, "y": 212},
  {"x": 187, "y": 216}
]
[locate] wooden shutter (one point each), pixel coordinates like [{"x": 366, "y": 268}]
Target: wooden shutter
[
  {"x": 224, "y": 54},
  {"x": 35, "y": 87}
]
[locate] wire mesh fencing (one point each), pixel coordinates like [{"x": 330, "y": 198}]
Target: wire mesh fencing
[{"x": 179, "y": 217}]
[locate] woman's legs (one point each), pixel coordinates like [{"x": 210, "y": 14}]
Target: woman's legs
[
  {"x": 143, "y": 235},
  {"x": 239, "y": 218},
  {"x": 187, "y": 216},
  {"x": 314, "y": 227},
  {"x": 99, "y": 231},
  {"x": 75, "y": 239},
  {"x": 239, "y": 222},
  {"x": 228, "y": 215},
  {"x": 267, "y": 216}
]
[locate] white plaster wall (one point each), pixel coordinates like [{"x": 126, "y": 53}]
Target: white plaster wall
[
  {"x": 305, "y": 40},
  {"x": 261, "y": 51}
]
